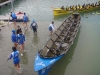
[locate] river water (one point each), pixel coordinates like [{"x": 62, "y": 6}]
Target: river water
[{"x": 83, "y": 58}]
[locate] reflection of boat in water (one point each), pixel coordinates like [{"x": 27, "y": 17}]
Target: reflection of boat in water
[
  {"x": 8, "y": 17},
  {"x": 35, "y": 39},
  {"x": 77, "y": 8},
  {"x": 58, "y": 44}
]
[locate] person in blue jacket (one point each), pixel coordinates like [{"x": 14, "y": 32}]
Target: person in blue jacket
[
  {"x": 16, "y": 59},
  {"x": 14, "y": 38},
  {"x": 25, "y": 19},
  {"x": 14, "y": 17},
  {"x": 21, "y": 40}
]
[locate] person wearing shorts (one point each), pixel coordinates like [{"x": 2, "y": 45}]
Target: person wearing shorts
[
  {"x": 25, "y": 19},
  {"x": 14, "y": 18},
  {"x": 52, "y": 28},
  {"x": 14, "y": 38},
  {"x": 16, "y": 59},
  {"x": 34, "y": 26},
  {"x": 21, "y": 40}
]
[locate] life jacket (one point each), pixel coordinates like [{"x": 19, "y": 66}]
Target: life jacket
[
  {"x": 15, "y": 55},
  {"x": 21, "y": 38}
]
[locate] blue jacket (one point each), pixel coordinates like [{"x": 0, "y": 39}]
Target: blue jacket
[
  {"x": 13, "y": 37},
  {"x": 13, "y": 15},
  {"x": 15, "y": 56},
  {"x": 20, "y": 38},
  {"x": 25, "y": 18}
]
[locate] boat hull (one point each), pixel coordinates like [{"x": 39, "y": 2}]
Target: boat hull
[
  {"x": 59, "y": 11},
  {"x": 45, "y": 70},
  {"x": 58, "y": 44},
  {"x": 43, "y": 65}
]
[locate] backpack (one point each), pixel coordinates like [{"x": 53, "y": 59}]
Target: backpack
[{"x": 34, "y": 25}]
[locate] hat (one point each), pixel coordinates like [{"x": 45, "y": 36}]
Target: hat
[
  {"x": 33, "y": 20},
  {"x": 13, "y": 31}
]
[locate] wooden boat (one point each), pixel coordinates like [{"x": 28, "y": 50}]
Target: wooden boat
[
  {"x": 58, "y": 44},
  {"x": 76, "y": 8},
  {"x": 8, "y": 17}
]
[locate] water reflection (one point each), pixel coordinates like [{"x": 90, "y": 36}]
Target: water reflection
[
  {"x": 60, "y": 66},
  {"x": 24, "y": 58},
  {"x": 13, "y": 71},
  {"x": 35, "y": 39}
]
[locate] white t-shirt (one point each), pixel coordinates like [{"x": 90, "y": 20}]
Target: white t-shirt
[{"x": 53, "y": 26}]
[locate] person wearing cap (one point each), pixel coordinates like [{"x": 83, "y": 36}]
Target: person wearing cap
[
  {"x": 14, "y": 38},
  {"x": 25, "y": 19},
  {"x": 34, "y": 26},
  {"x": 16, "y": 59},
  {"x": 52, "y": 28},
  {"x": 14, "y": 17},
  {"x": 21, "y": 40}
]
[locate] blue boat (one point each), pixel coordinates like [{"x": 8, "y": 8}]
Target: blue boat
[{"x": 58, "y": 44}]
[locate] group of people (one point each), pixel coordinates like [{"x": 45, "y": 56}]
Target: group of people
[
  {"x": 14, "y": 18},
  {"x": 18, "y": 38},
  {"x": 79, "y": 7}
]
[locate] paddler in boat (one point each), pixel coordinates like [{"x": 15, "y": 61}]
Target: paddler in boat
[
  {"x": 98, "y": 3},
  {"x": 80, "y": 7},
  {"x": 92, "y": 4},
  {"x": 73, "y": 7},
  {"x": 83, "y": 6},
  {"x": 52, "y": 28},
  {"x": 67, "y": 8},
  {"x": 70, "y": 7},
  {"x": 62, "y": 7},
  {"x": 14, "y": 18}
]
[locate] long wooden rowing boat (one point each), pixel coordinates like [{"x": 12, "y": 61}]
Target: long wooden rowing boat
[
  {"x": 76, "y": 8},
  {"x": 58, "y": 44}
]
